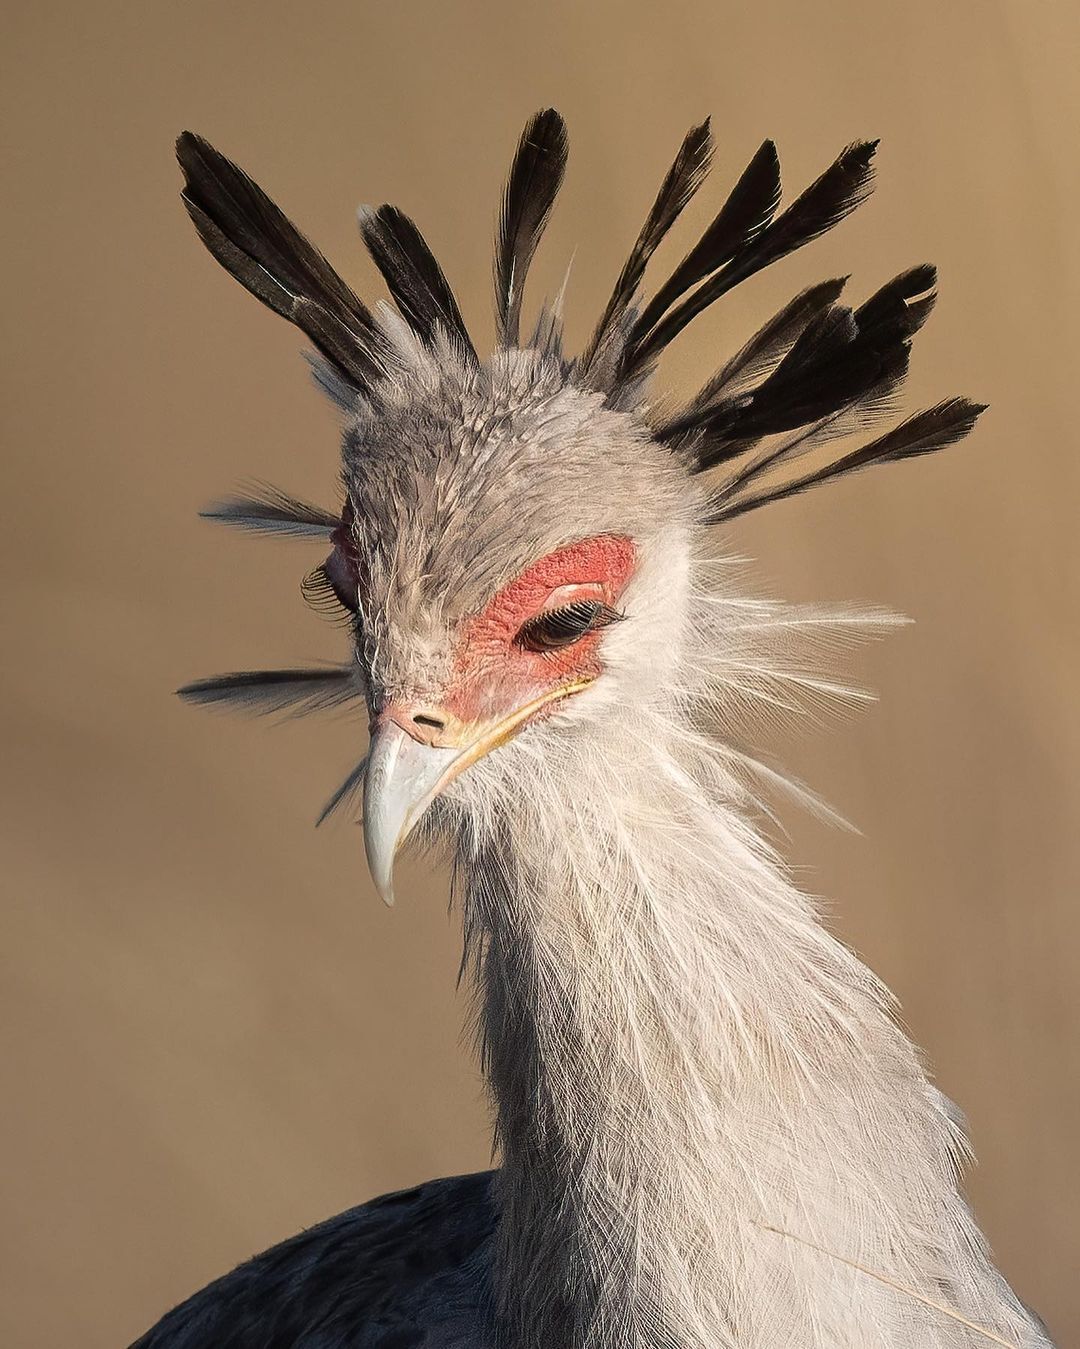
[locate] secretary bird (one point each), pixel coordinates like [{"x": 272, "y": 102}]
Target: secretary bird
[{"x": 713, "y": 1134}]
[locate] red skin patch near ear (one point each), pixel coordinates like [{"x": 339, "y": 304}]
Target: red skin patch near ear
[{"x": 492, "y": 673}]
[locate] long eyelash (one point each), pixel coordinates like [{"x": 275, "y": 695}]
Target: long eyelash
[
  {"x": 568, "y": 623},
  {"x": 604, "y": 616},
  {"x": 319, "y": 594}
]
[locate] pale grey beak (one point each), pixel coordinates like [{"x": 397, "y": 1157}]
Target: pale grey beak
[
  {"x": 402, "y": 777},
  {"x": 401, "y": 780}
]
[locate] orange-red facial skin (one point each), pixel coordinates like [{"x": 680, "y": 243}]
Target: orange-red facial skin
[{"x": 493, "y": 673}]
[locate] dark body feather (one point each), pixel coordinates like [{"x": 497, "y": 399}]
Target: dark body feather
[{"x": 407, "y": 1270}]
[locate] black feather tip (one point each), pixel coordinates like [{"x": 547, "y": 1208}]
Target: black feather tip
[{"x": 680, "y": 184}]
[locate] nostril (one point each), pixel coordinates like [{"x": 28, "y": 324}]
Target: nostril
[{"x": 426, "y": 719}]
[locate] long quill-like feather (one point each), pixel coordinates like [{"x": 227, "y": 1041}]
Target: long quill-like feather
[
  {"x": 535, "y": 178},
  {"x": 924, "y": 433},
  {"x": 264, "y": 509},
  {"x": 681, "y": 182},
  {"x": 254, "y": 241},
  {"x": 413, "y": 276},
  {"x": 747, "y": 211},
  {"x": 760, "y": 353},
  {"x": 843, "y": 186}
]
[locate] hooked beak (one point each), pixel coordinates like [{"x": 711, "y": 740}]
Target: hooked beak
[
  {"x": 403, "y": 777},
  {"x": 401, "y": 780}
]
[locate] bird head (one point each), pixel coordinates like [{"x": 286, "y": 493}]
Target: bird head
[
  {"x": 512, "y": 558},
  {"x": 517, "y": 533}
]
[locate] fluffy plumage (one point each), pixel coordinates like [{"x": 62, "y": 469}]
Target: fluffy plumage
[
  {"x": 714, "y": 1135},
  {"x": 722, "y": 1081}
]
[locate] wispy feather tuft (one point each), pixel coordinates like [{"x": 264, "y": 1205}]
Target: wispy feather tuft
[
  {"x": 535, "y": 178},
  {"x": 264, "y": 509},
  {"x": 264, "y": 692},
  {"x": 347, "y": 796}
]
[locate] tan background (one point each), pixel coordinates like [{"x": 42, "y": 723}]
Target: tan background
[{"x": 213, "y": 1034}]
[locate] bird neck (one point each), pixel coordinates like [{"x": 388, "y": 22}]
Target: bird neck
[{"x": 710, "y": 1126}]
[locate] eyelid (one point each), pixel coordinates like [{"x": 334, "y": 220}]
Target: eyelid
[{"x": 575, "y": 592}]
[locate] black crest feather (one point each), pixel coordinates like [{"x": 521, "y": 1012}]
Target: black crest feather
[
  {"x": 761, "y": 352},
  {"x": 902, "y": 305},
  {"x": 748, "y": 209},
  {"x": 254, "y": 241},
  {"x": 263, "y": 692},
  {"x": 413, "y": 276},
  {"x": 535, "y": 178},
  {"x": 924, "y": 433},
  {"x": 267, "y": 510},
  {"x": 835, "y": 194},
  {"x": 842, "y": 359},
  {"x": 683, "y": 179}
]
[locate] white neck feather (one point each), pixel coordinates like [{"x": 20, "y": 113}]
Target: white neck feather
[{"x": 714, "y": 1134}]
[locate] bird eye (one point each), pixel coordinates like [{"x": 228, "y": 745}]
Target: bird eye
[{"x": 555, "y": 628}]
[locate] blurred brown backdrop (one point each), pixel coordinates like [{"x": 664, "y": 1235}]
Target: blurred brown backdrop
[{"x": 213, "y": 1033}]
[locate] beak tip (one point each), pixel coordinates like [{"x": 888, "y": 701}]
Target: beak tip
[{"x": 383, "y": 881}]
